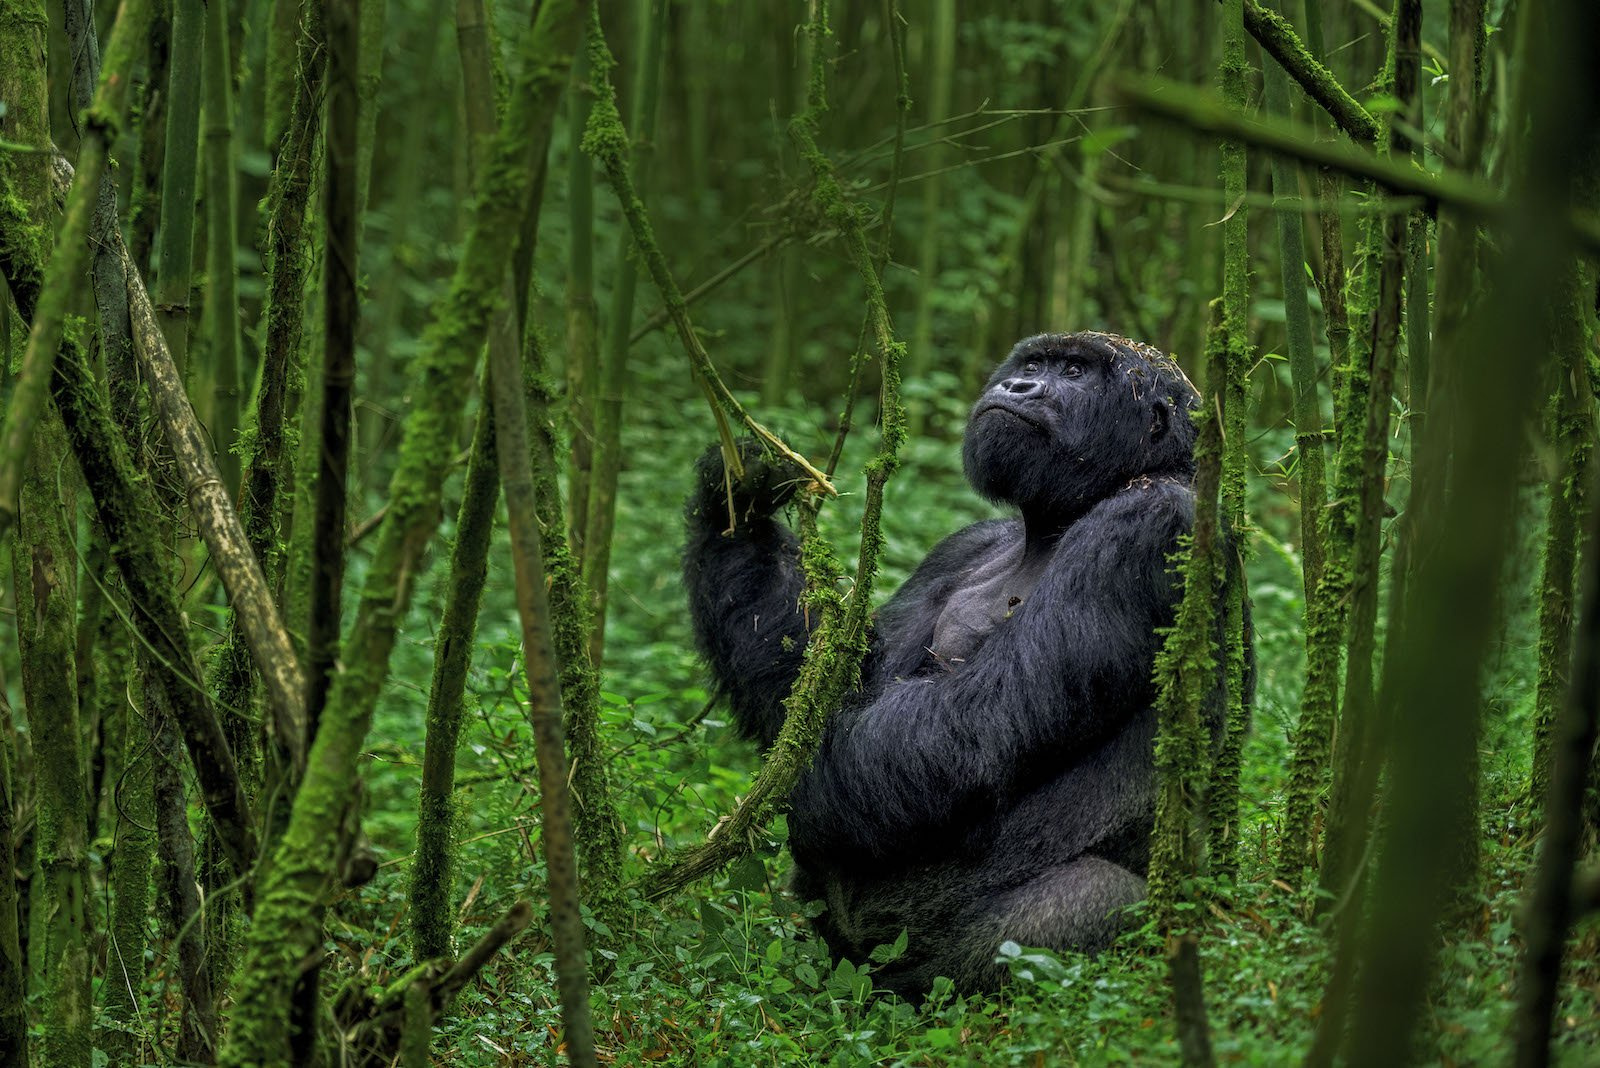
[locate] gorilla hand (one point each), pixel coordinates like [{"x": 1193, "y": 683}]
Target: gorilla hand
[{"x": 768, "y": 484}]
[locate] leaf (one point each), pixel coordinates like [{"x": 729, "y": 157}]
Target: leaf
[{"x": 886, "y": 953}]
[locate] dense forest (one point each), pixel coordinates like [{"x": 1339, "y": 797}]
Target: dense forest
[{"x": 361, "y": 355}]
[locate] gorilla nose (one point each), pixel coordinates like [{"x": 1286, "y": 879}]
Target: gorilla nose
[{"x": 1022, "y": 387}]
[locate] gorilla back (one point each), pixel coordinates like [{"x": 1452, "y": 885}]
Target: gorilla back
[{"x": 993, "y": 778}]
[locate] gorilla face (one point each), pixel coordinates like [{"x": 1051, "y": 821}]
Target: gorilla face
[{"x": 1067, "y": 419}]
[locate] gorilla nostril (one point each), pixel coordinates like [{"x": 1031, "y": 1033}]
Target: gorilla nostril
[{"x": 1020, "y": 385}]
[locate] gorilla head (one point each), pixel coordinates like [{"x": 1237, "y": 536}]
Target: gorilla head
[{"x": 1068, "y": 419}]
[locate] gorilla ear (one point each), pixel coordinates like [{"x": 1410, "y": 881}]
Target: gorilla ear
[{"x": 1160, "y": 420}]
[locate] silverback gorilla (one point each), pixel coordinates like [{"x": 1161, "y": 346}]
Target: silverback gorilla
[{"x": 993, "y": 779}]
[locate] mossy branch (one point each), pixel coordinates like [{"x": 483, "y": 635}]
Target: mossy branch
[{"x": 1278, "y": 39}]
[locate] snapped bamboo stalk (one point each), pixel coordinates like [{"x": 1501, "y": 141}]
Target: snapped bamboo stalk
[
  {"x": 65, "y": 265},
  {"x": 287, "y": 927}
]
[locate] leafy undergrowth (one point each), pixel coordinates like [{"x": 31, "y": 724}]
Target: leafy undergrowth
[{"x": 728, "y": 973}]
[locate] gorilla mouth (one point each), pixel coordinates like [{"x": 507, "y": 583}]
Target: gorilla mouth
[{"x": 996, "y": 406}]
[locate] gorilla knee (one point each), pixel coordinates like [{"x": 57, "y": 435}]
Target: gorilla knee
[{"x": 1077, "y": 906}]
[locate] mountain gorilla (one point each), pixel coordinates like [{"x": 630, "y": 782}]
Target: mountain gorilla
[{"x": 993, "y": 779}]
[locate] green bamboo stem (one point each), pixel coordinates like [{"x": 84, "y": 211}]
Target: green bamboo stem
[
  {"x": 942, "y": 78},
  {"x": 544, "y": 699},
  {"x": 287, "y": 926},
  {"x": 1309, "y": 763},
  {"x": 13, "y": 968},
  {"x": 1222, "y": 795},
  {"x": 179, "y": 166},
  {"x": 1363, "y": 470},
  {"x": 222, "y": 237},
  {"x": 1572, "y": 432}
]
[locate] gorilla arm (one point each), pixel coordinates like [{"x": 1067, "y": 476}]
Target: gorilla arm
[
  {"x": 1048, "y": 686},
  {"x": 744, "y": 589}
]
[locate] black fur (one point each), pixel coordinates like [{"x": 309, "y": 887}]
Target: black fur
[{"x": 993, "y": 779}]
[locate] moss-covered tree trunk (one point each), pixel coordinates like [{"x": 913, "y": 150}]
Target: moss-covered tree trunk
[
  {"x": 583, "y": 316},
  {"x": 1572, "y": 432},
  {"x": 1222, "y": 794},
  {"x": 432, "y": 916},
  {"x": 287, "y": 925},
  {"x": 432, "y": 919},
  {"x": 1356, "y": 755},
  {"x": 44, "y": 575},
  {"x": 13, "y": 968}
]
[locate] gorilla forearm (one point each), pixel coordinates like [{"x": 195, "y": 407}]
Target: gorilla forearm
[
  {"x": 744, "y": 591},
  {"x": 1057, "y": 681}
]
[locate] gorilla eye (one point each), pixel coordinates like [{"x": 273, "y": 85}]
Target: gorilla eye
[
  {"x": 1073, "y": 369},
  {"x": 1032, "y": 367}
]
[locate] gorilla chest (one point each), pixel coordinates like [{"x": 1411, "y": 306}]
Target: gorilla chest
[{"x": 988, "y": 596}]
